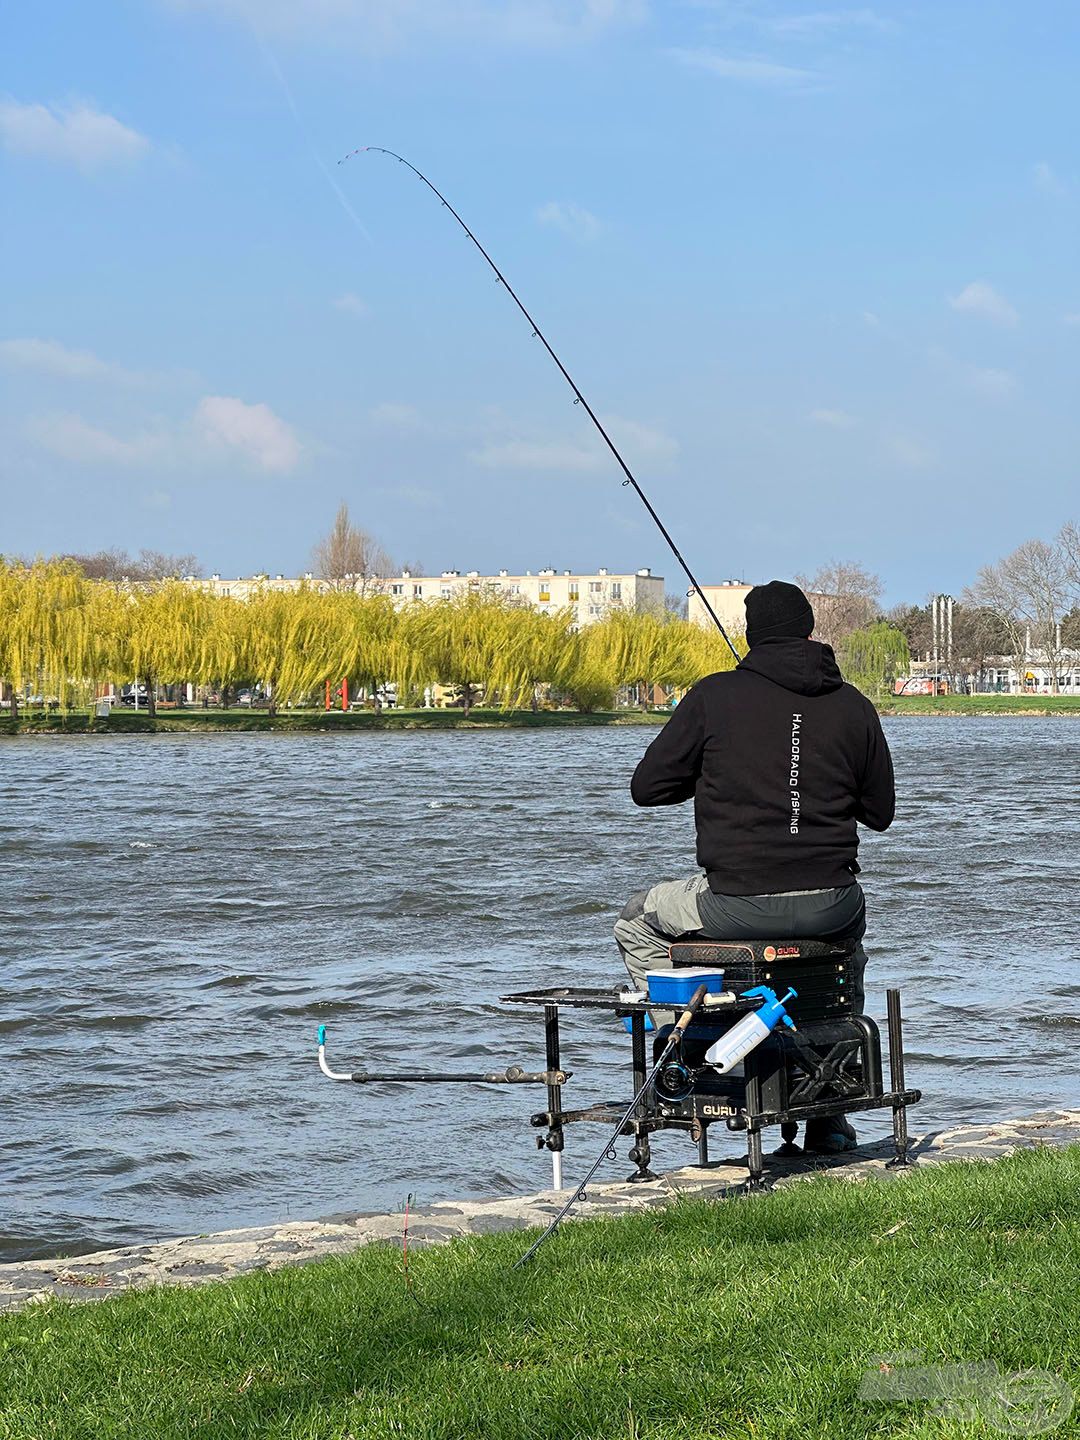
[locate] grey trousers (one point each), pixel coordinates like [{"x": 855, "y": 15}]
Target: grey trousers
[{"x": 651, "y": 920}]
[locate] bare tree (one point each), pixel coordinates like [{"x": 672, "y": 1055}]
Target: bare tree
[
  {"x": 118, "y": 565},
  {"x": 845, "y": 597},
  {"x": 348, "y": 558},
  {"x": 1069, "y": 543},
  {"x": 1029, "y": 592}
]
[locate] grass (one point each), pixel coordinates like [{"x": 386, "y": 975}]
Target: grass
[
  {"x": 980, "y": 705},
  {"x": 127, "y": 722},
  {"x": 745, "y": 1320}
]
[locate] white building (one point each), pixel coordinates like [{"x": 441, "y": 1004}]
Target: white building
[
  {"x": 727, "y": 602},
  {"x": 588, "y": 597}
]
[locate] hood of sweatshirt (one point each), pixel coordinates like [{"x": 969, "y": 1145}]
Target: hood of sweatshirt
[{"x": 805, "y": 667}]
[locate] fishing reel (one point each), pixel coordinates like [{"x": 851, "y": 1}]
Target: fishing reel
[{"x": 675, "y": 1079}]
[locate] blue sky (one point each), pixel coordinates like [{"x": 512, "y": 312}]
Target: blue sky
[{"x": 818, "y": 265}]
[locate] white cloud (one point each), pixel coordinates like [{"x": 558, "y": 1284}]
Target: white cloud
[
  {"x": 78, "y": 134},
  {"x": 1046, "y": 180},
  {"x": 396, "y": 416},
  {"x": 911, "y": 453},
  {"x": 50, "y": 357},
  {"x": 979, "y": 298},
  {"x": 376, "y": 25},
  {"x": 753, "y": 70},
  {"x": 995, "y": 384},
  {"x": 253, "y": 430},
  {"x": 821, "y": 20},
  {"x": 991, "y": 383},
  {"x": 537, "y": 455},
  {"x": 351, "y": 304},
  {"x": 1072, "y": 319},
  {"x": 871, "y": 318},
  {"x": 73, "y": 438},
  {"x": 418, "y": 497},
  {"x": 642, "y": 445},
  {"x": 571, "y": 219},
  {"x": 835, "y": 419}
]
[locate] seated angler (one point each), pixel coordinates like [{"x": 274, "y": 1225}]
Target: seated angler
[{"x": 781, "y": 759}]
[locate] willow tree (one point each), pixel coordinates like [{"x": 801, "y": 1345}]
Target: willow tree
[
  {"x": 283, "y": 642},
  {"x": 10, "y": 596},
  {"x": 367, "y": 635},
  {"x": 872, "y": 658},
  {"x": 44, "y": 630},
  {"x": 540, "y": 649},
  {"x": 470, "y": 642},
  {"x": 166, "y": 638}
]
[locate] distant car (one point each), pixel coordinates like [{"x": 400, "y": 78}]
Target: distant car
[
  {"x": 131, "y": 693},
  {"x": 252, "y": 698}
]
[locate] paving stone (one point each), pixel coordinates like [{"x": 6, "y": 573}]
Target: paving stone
[
  {"x": 493, "y": 1224},
  {"x": 197, "y": 1259}
]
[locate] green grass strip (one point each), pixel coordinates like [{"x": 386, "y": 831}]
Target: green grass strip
[
  {"x": 126, "y": 722},
  {"x": 744, "y": 1320}
]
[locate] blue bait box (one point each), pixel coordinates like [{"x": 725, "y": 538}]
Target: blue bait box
[{"x": 676, "y": 987}]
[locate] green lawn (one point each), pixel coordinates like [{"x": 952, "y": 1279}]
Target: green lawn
[
  {"x": 124, "y": 721},
  {"x": 744, "y": 1320},
  {"x": 980, "y": 705}
]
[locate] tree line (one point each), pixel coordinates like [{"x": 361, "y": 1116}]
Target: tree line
[{"x": 66, "y": 635}]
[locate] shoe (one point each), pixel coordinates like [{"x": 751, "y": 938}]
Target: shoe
[{"x": 829, "y": 1135}]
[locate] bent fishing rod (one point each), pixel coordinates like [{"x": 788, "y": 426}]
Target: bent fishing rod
[
  {"x": 579, "y": 398},
  {"x": 608, "y": 1152}
]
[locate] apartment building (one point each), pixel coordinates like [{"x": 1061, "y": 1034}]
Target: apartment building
[
  {"x": 726, "y": 600},
  {"x": 588, "y": 596}
]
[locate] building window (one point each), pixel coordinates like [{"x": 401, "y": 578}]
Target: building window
[
  {"x": 573, "y": 589},
  {"x": 397, "y": 589},
  {"x": 596, "y": 586},
  {"x": 616, "y": 590},
  {"x": 545, "y": 595},
  {"x": 417, "y": 591},
  {"x": 445, "y": 592},
  {"x": 515, "y": 589}
]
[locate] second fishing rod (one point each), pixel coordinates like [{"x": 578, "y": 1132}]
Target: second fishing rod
[{"x": 579, "y": 398}]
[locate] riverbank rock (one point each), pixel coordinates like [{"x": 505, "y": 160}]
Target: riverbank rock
[{"x": 197, "y": 1259}]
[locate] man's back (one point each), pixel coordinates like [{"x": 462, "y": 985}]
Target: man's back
[{"x": 781, "y": 758}]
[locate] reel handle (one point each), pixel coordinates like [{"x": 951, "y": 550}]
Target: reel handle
[{"x": 696, "y": 1002}]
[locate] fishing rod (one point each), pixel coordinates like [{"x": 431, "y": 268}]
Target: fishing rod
[
  {"x": 579, "y": 398},
  {"x": 608, "y": 1152}
]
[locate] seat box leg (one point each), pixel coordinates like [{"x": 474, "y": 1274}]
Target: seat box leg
[{"x": 901, "y": 1159}]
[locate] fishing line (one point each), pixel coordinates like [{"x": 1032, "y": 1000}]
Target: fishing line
[{"x": 579, "y": 398}]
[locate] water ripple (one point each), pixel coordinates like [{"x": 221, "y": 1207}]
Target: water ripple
[{"x": 180, "y": 913}]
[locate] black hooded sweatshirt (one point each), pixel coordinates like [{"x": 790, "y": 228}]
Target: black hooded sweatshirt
[{"x": 781, "y": 758}]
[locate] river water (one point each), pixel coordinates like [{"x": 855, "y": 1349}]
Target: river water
[{"x": 178, "y": 914}]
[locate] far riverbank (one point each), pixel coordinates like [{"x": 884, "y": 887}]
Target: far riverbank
[{"x": 126, "y": 722}]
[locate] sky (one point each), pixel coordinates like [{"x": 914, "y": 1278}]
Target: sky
[{"x": 816, "y": 267}]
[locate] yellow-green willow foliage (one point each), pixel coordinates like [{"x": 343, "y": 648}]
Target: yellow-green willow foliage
[
  {"x": 61, "y": 634},
  {"x": 483, "y": 642},
  {"x": 288, "y": 643},
  {"x": 644, "y": 651},
  {"x": 44, "y": 630}
]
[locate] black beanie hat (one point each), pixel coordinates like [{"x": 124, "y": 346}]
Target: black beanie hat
[{"x": 776, "y": 611}]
